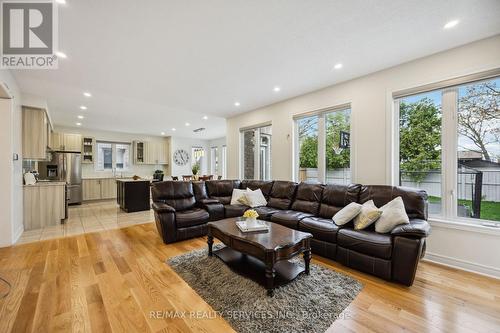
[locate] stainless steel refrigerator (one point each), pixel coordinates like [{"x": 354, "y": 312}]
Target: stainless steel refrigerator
[{"x": 66, "y": 167}]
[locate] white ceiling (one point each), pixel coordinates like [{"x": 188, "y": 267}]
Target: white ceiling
[{"x": 153, "y": 65}]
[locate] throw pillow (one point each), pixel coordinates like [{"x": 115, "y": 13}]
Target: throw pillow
[
  {"x": 253, "y": 198},
  {"x": 393, "y": 214},
  {"x": 347, "y": 213},
  {"x": 369, "y": 213},
  {"x": 237, "y": 193}
]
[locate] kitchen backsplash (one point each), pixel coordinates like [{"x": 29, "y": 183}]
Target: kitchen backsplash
[{"x": 88, "y": 171}]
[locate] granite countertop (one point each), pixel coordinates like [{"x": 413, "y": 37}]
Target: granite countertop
[
  {"x": 49, "y": 183},
  {"x": 132, "y": 180}
]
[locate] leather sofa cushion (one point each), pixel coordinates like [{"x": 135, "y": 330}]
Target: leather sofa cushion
[
  {"x": 199, "y": 190},
  {"x": 221, "y": 190},
  {"x": 415, "y": 200},
  {"x": 320, "y": 228},
  {"x": 264, "y": 185},
  {"x": 191, "y": 217},
  {"x": 308, "y": 198},
  {"x": 289, "y": 218},
  {"x": 265, "y": 213},
  {"x": 178, "y": 194},
  {"x": 234, "y": 210},
  {"x": 282, "y": 194},
  {"x": 335, "y": 197},
  {"x": 366, "y": 242}
]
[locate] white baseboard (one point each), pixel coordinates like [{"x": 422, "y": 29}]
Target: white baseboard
[
  {"x": 464, "y": 265},
  {"x": 18, "y": 234}
]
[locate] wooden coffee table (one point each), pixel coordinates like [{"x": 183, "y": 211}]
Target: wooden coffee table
[{"x": 261, "y": 256}]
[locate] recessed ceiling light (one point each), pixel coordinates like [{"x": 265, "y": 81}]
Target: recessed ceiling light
[
  {"x": 81, "y": 117},
  {"x": 162, "y": 133},
  {"x": 61, "y": 55},
  {"x": 237, "y": 104},
  {"x": 205, "y": 117},
  {"x": 276, "y": 89},
  {"x": 173, "y": 129},
  {"x": 450, "y": 24},
  {"x": 62, "y": 2},
  {"x": 83, "y": 107},
  {"x": 78, "y": 124},
  {"x": 338, "y": 66},
  {"x": 187, "y": 124},
  {"x": 87, "y": 94}
]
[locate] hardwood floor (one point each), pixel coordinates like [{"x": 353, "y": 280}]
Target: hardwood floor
[{"x": 112, "y": 280}]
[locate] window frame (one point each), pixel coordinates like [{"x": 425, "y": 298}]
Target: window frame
[
  {"x": 321, "y": 114},
  {"x": 257, "y": 160},
  {"x": 449, "y": 142},
  {"x": 113, "y": 156}
]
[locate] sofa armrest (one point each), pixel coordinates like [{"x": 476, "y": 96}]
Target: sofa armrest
[
  {"x": 416, "y": 228},
  {"x": 161, "y": 207}
]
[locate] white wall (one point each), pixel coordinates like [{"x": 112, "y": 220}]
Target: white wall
[
  {"x": 371, "y": 102},
  {"x": 187, "y": 144},
  {"x": 88, "y": 170},
  {"x": 11, "y": 195}
]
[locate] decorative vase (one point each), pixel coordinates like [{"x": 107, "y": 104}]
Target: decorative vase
[{"x": 251, "y": 220}]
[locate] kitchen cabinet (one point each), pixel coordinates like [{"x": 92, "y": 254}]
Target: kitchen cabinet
[
  {"x": 99, "y": 188},
  {"x": 108, "y": 188},
  {"x": 91, "y": 189},
  {"x": 151, "y": 152},
  {"x": 66, "y": 142},
  {"x": 35, "y": 126},
  {"x": 44, "y": 204},
  {"x": 88, "y": 148}
]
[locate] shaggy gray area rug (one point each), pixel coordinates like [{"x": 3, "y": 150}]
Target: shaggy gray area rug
[{"x": 311, "y": 303}]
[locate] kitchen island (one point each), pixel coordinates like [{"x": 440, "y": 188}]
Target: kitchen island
[{"x": 133, "y": 195}]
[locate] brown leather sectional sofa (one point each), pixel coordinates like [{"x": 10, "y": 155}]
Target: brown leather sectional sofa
[{"x": 182, "y": 210}]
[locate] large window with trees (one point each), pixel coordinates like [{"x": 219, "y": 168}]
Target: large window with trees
[
  {"x": 322, "y": 146},
  {"x": 449, "y": 145},
  {"x": 420, "y": 145}
]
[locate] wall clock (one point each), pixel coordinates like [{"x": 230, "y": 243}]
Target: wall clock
[{"x": 181, "y": 157}]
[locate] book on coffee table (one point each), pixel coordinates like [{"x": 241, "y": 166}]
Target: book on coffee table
[{"x": 246, "y": 226}]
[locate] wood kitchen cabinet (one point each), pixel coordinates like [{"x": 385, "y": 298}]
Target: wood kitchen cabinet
[
  {"x": 91, "y": 189},
  {"x": 108, "y": 188},
  {"x": 99, "y": 188},
  {"x": 66, "y": 142},
  {"x": 151, "y": 152},
  {"x": 44, "y": 204},
  {"x": 35, "y": 136}
]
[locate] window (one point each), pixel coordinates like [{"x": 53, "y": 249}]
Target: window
[
  {"x": 449, "y": 145},
  {"x": 214, "y": 161},
  {"x": 478, "y": 150},
  {"x": 338, "y": 152},
  {"x": 322, "y": 146},
  {"x": 420, "y": 145},
  {"x": 224, "y": 162},
  {"x": 256, "y": 153},
  {"x": 112, "y": 156},
  {"x": 307, "y": 132},
  {"x": 198, "y": 154}
]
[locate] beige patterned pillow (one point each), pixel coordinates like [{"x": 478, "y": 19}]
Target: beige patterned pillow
[
  {"x": 369, "y": 214},
  {"x": 393, "y": 214}
]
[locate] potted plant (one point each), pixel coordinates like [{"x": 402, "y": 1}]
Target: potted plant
[
  {"x": 195, "y": 169},
  {"x": 158, "y": 175}
]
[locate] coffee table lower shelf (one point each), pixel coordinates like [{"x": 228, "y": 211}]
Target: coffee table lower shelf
[{"x": 255, "y": 269}]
